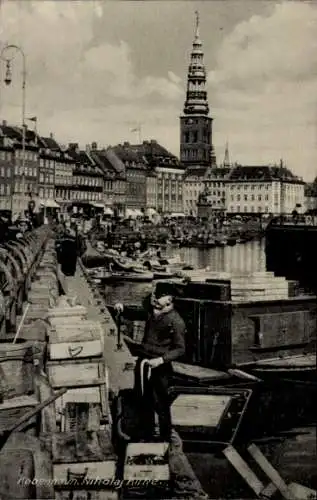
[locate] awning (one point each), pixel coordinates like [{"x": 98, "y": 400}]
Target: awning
[
  {"x": 133, "y": 212},
  {"x": 176, "y": 214},
  {"x": 49, "y": 203},
  {"x": 108, "y": 211},
  {"x": 151, "y": 211},
  {"x": 98, "y": 205}
]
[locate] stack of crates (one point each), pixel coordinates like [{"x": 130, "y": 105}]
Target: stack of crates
[{"x": 76, "y": 361}]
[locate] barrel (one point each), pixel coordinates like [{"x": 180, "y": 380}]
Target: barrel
[{"x": 16, "y": 370}]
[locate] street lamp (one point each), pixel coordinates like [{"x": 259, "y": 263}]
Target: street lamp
[{"x": 7, "y": 81}]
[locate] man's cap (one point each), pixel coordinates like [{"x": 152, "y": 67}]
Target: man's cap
[{"x": 165, "y": 288}]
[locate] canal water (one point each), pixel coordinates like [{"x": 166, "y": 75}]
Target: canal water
[{"x": 245, "y": 257}]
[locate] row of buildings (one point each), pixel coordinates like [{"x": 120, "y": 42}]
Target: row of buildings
[{"x": 130, "y": 180}]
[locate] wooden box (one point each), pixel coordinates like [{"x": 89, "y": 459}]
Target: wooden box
[
  {"x": 146, "y": 461},
  {"x": 13, "y": 409},
  {"x": 83, "y": 330},
  {"x": 11, "y": 464},
  {"x": 146, "y": 471},
  {"x": 83, "y": 460},
  {"x": 81, "y": 417},
  {"x": 208, "y": 414},
  {"x": 76, "y": 373},
  {"x": 84, "y": 348},
  {"x": 89, "y": 395},
  {"x": 68, "y": 312},
  {"x": 16, "y": 369}
]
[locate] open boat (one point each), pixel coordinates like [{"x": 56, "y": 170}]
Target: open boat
[
  {"x": 295, "y": 367},
  {"x": 102, "y": 275}
]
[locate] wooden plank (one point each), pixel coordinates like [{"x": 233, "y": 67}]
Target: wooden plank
[
  {"x": 244, "y": 470},
  {"x": 85, "y": 330},
  {"x": 72, "y": 374},
  {"x": 203, "y": 410},
  {"x": 82, "y": 446},
  {"x": 79, "y": 349},
  {"x": 269, "y": 470},
  {"x": 91, "y": 470}
]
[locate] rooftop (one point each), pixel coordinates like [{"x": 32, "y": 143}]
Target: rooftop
[{"x": 264, "y": 173}]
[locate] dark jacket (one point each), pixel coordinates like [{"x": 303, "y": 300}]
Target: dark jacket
[
  {"x": 68, "y": 255},
  {"x": 165, "y": 336}
]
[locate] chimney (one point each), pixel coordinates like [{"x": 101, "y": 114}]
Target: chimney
[
  {"x": 51, "y": 135},
  {"x": 4, "y": 123},
  {"x": 94, "y": 146},
  {"x": 87, "y": 148},
  {"x": 126, "y": 143}
]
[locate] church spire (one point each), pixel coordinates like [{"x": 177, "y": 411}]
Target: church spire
[
  {"x": 226, "y": 160},
  {"x": 196, "y": 95},
  {"x": 197, "y": 25}
]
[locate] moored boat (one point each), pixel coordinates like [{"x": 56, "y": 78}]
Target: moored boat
[
  {"x": 102, "y": 275},
  {"x": 301, "y": 367}
]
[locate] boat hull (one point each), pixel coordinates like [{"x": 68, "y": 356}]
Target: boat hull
[{"x": 129, "y": 277}]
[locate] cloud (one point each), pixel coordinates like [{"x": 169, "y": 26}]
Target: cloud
[
  {"x": 265, "y": 87},
  {"x": 77, "y": 79}
]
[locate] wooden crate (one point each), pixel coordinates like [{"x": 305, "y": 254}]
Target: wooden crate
[
  {"x": 76, "y": 373},
  {"x": 88, "y": 395},
  {"x": 83, "y": 348},
  {"x": 16, "y": 369},
  {"x": 83, "y": 330},
  {"x": 68, "y": 312},
  {"x": 11, "y": 464},
  {"x": 146, "y": 471},
  {"x": 12, "y": 409},
  {"x": 81, "y": 417},
  {"x": 146, "y": 461}
]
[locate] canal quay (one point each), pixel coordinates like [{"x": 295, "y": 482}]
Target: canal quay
[{"x": 241, "y": 429}]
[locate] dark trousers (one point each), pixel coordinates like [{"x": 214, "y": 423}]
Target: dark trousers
[{"x": 155, "y": 398}]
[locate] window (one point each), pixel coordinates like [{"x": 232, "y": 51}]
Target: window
[
  {"x": 266, "y": 209},
  {"x": 259, "y": 197},
  {"x": 266, "y": 197},
  {"x": 238, "y": 197},
  {"x": 252, "y": 208},
  {"x": 8, "y": 189},
  {"x": 238, "y": 208},
  {"x": 245, "y": 197},
  {"x": 245, "y": 208},
  {"x": 259, "y": 209}
]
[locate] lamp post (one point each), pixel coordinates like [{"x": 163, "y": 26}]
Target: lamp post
[{"x": 7, "y": 81}]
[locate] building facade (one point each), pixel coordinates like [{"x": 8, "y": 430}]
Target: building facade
[
  {"x": 87, "y": 183},
  {"x": 196, "y": 148},
  {"x": 264, "y": 189},
  {"x": 193, "y": 187},
  {"x": 7, "y": 162},
  {"x": 24, "y": 188},
  {"x": 136, "y": 172},
  {"x": 311, "y": 196}
]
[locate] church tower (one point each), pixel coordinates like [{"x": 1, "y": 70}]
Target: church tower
[{"x": 196, "y": 149}]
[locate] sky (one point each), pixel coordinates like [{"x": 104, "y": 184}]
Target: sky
[{"x": 97, "y": 69}]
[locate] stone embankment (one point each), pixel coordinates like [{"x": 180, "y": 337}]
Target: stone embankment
[{"x": 60, "y": 368}]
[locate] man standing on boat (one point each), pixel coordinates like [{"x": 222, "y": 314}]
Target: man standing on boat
[{"x": 163, "y": 342}]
